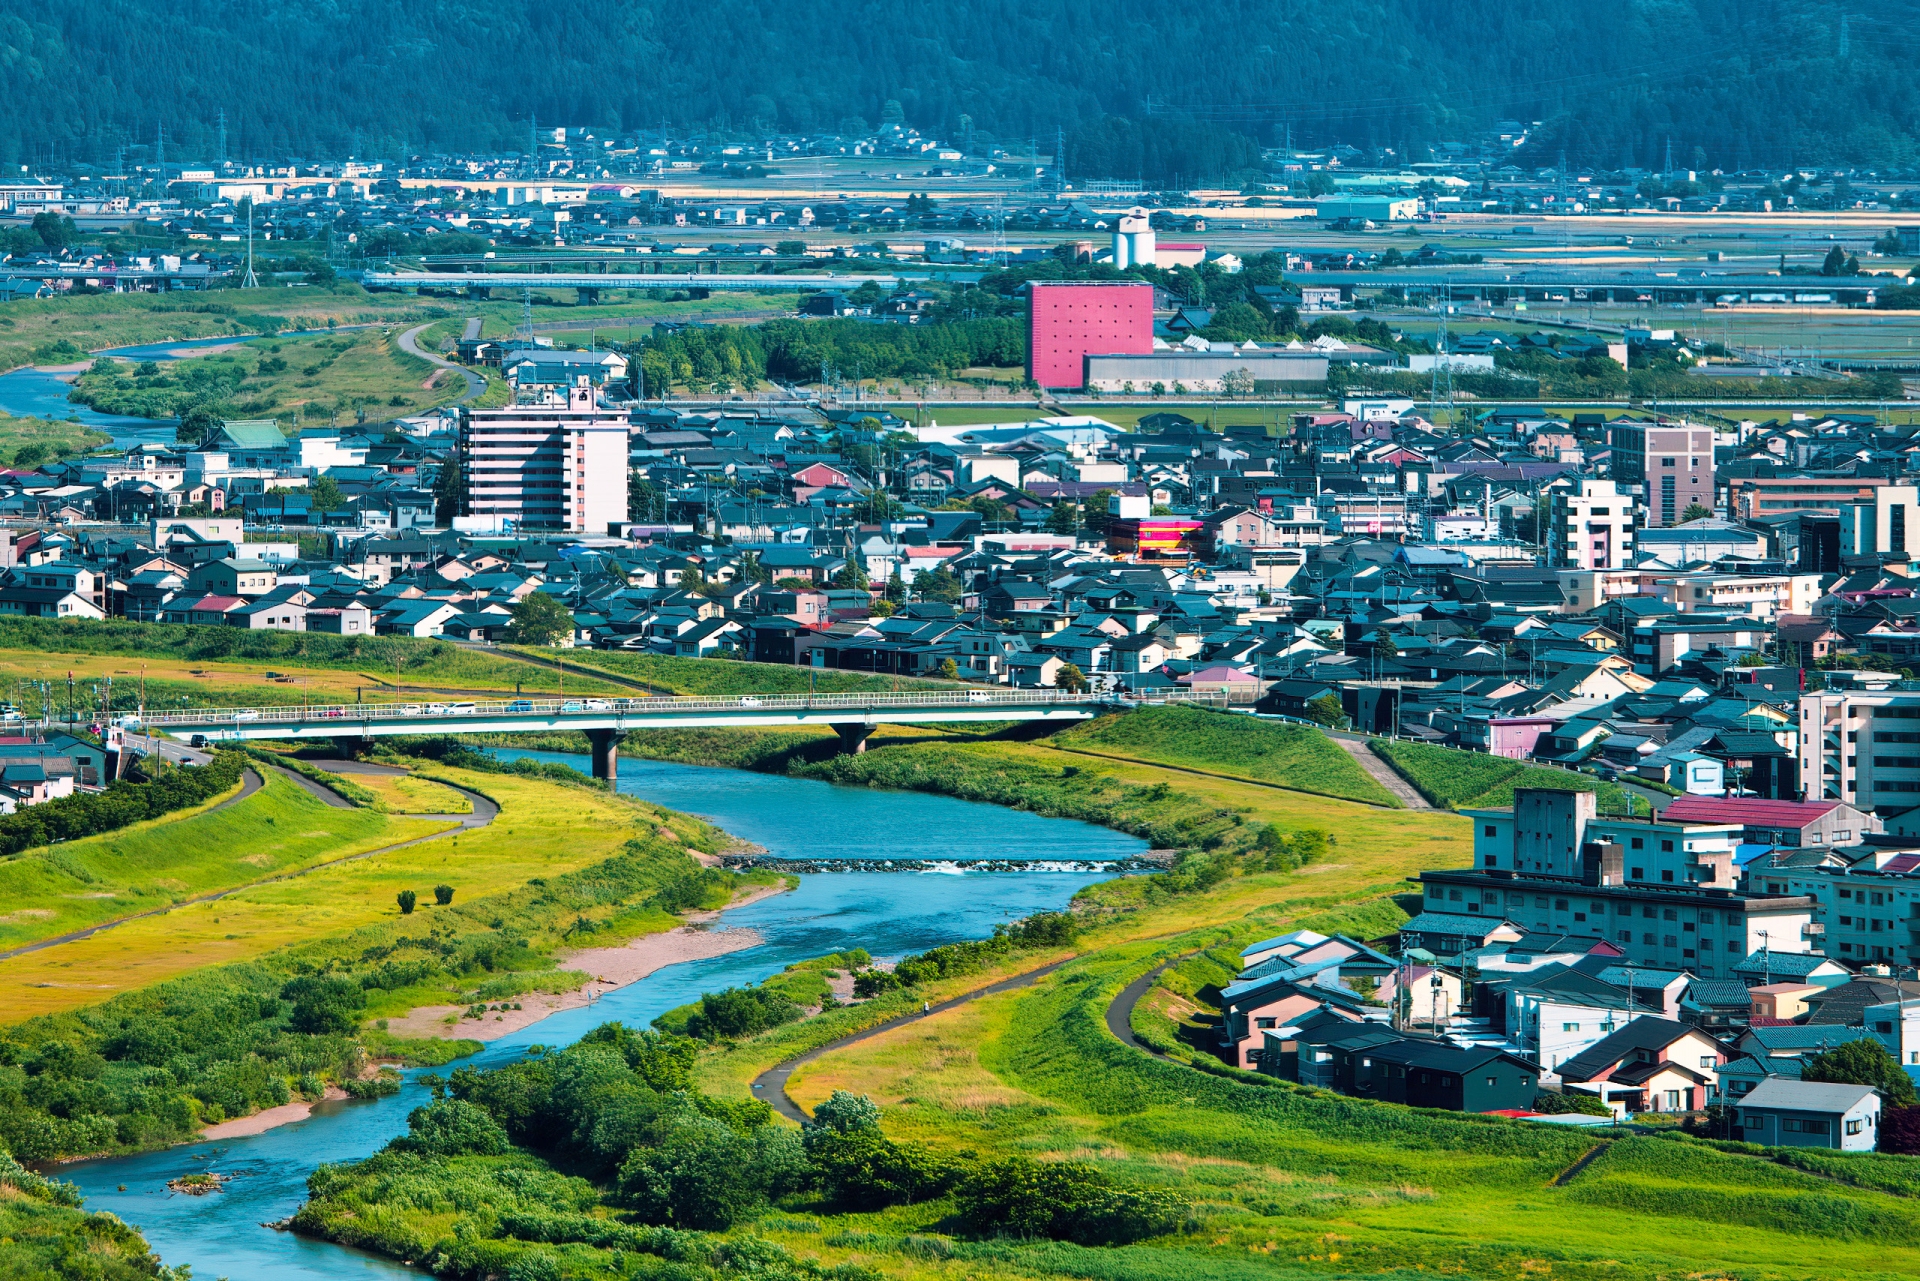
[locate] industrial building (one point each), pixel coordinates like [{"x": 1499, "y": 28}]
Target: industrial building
[
  {"x": 1204, "y": 371},
  {"x": 1067, "y": 321},
  {"x": 1133, "y": 240},
  {"x": 557, "y": 464}
]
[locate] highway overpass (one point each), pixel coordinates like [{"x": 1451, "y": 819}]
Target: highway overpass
[{"x": 606, "y": 720}]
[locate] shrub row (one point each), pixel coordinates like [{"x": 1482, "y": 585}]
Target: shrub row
[{"x": 161, "y": 790}]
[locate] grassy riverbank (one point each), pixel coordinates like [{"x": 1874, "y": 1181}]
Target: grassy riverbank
[
  {"x": 1458, "y": 779},
  {"x": 234, "y": 1006}
]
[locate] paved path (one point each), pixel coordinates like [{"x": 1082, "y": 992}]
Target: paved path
[
  {"x": 1120, "y": 1010},
  {"x": 1203, "y": 773},
  {"x": 1383, "y": 773},
  {"x": 771, "y": 1084},
  {"x": 484, "y": 812},
  {"x": 409, "y": 343}
]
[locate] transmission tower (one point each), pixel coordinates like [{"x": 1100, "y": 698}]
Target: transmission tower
[
  {"x": 526, "y": 314},
  {"x": 160, "y": 146},
  {"x": 1442, "y": 384},
  {"x": 221, "y": 129},
  {"x": 250, "y": 281}
]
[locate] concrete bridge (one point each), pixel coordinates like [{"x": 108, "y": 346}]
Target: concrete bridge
[{"x": 606, "y": 720}]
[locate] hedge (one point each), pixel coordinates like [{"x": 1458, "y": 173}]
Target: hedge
[{"x": 122, "y": 804}]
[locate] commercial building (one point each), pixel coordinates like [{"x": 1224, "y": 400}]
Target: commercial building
[
  {"x": 1761, "y": 596},
  {"x": 1369, "y": 208},
  {"x": 1204, "y": 371},
  {"x": 1672, "y": 462},
  {"x": 561, "y": 464},
  {"x": 1751, "y": 497},
  {"x": 1592, "y": 527},
  {"x": 1068, "y": 321}
]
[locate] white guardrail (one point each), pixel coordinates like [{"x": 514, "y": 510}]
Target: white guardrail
[{"x": 954, "y": 700}]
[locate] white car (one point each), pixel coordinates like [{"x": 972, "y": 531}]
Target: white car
[
  {"x": 246, "y": 716},
  {"x": 750, "y": 701},
  {"x": 979, "y": 696},
  {"x": 597, "y": 705},
  {"x": 462, "y": 709}
]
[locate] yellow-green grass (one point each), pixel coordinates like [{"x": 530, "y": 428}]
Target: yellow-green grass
[
  {"x": 1295, "y": 756},
  {"x": 93, "y": 322},
  {"x": 403, "y": 794},
  {"x": 423, "y": 667},
  {"x": 605, "y": 322},
  {"x": 542, "y": 830},
  {"x": 279, "y": 829}
]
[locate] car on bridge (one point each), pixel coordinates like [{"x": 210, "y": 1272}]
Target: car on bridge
[{"x": 520, "y": 705}]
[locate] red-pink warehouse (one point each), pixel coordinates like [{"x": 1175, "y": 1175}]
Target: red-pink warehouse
[{"x": 1067, "y": 321}]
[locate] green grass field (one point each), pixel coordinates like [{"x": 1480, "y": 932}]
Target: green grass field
[
  {"x": 28, "y": 442},
  {"x": 1469, "y": 780},
  {"x": 277, "y": 830},
  {"x": 712, "y": 676},
  {"x": 325, "y": 379},
  {"x": 1294, "y": 756}
]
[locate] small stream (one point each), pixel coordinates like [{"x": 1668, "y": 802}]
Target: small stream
[{"x": 887, "y": 913}]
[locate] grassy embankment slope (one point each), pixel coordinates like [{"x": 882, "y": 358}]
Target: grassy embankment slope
[
  {"x": 201, "y": 1030},
  {"x": 1468, "y": 780},
  {"x": 542, "y": 829},
  {"x": 706, "y": 676},
  {"x": 229, "y": 666},
  {"x": 278, "y": 830}
]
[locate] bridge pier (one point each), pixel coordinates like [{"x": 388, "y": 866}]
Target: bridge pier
[
  {"x": 353, "y": 748},
  {"x": 853, "y": 739},
  {"x": 606, "y": 753}
]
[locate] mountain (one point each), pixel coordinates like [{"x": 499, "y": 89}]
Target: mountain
[{"x": 1756, "y": 83}]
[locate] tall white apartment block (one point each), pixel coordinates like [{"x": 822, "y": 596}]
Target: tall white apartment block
[
  {"x": 560, "y": 464},
  {"x": 1591, "y": 527}
]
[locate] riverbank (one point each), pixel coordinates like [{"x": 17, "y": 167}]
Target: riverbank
[
  {"x": 268, "y": 1118},
  {"x": 608, "y": 969}
]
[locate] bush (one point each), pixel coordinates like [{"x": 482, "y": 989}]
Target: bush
[
  {"x": 739, "y": 1011},
  {"x": 1064, "y": 1200},
  {"x": 1562, "y": 1104},
  {"x": 443, "y": 894},
  {"x": 450, "y": 1127},
  {"x": 324, "y": 1006},
  {"x": 122, "y": 804},
  {"x": 1863, "y": 1062},
  {"x": 406, "y": 899},
  {"x": 862, "y": 1169}
]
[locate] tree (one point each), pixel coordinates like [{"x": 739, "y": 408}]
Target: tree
[
  {"x": 1096, "y": 514},
  {"x": 443, "y": 894},
  {"x": 323, "y": 1006},
  {"x": 1070, "y": 678},
  {"x": 644, "y": 502},
  {"x": 942, "y": 584},
  {"x": 1863, "y": 1062},
  {"x": 852, "y": 577},
  {"x": 198, "y": 422},
  {"x": 55, "y": 232},
  {"x": 1064, "y": 518},
  {"x": 325, "y": 495},
  {"x": 1694, "y": 511},
  {"x": 896, "y": 588},
  {"x": 540, "y": 619},
  {"x": 1384, "y": 647},
  {"x": 790, "y": 248},
  {"x": 948, "y": 670},
  {"x": 1326, "y": 710},
  {"x": 406, "y": 899}
]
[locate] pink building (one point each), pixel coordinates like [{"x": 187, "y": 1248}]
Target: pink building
[
  {"x": 1514, "y": 736},
  {"x": 1067, "y": 321}
]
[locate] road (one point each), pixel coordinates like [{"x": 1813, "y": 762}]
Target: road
[
  {"x": 1383, "y": 773},
  {"x": 409, "y": 343}
]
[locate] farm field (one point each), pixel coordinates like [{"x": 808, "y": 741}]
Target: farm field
[
  {"x": 1292, "y": 756},
  {"x": 542, "y": 830},
  {"x": 279, "y": 829}
]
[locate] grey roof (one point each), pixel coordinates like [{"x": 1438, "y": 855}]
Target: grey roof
[
  {"x": 1642, "y": 1034},
  {"x": 1453, "y": 923},
  {"x": 1806, "y": 1096},
  {"x": 1803, "y": 1036},
  {"x": 1781, "y": 965}
]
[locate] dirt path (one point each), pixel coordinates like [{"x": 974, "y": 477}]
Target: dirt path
[
  {"x": 1383, "y": 773},
  {"x": 409, "y": 343},
  {"x": 771, "y": 1084}
]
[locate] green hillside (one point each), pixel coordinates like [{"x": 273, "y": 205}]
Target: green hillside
[{"x": 1613, "y": 85}]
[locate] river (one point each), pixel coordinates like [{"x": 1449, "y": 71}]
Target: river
[
  {"x": 886, "y": 913},
  {"x": 30, "y": 392}
]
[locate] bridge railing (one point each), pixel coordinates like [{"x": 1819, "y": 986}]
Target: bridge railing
[{"x": 348, "y": 714}]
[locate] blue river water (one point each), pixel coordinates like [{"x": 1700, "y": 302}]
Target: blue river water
[
  {"x": 887, "y": 913},
  {"x": 30, "y": 392}
]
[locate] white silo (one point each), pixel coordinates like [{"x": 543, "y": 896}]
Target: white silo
[{"x": 1133, "y": 240}]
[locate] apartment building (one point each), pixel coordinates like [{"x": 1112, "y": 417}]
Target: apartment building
[
  {"x": 1673, "y": 462},
  {"x": 1549, "y": 830},
  {"x": 1760, "y": 596},
  {"x": 1861, "y": 747},
  {"x": 1751, "y": 497},
  {"x": 1868, "y": 911},
  {"x": 1591, "y": 527},
  {"x": 1879, "y": 525},
  {"x": 558, "y": 464}
]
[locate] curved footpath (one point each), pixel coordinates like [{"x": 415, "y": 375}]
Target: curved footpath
[
  {"x": 484, "y": 812},
  {"x": 771, "y": 1084},
  {"x": 409, "y": 343}
]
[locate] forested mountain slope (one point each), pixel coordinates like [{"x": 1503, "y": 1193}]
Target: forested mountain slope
[{"x": 1761, "y": 82}]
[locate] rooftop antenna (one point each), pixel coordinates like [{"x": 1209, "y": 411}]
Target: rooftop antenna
[{"x": 250, "y": 281}]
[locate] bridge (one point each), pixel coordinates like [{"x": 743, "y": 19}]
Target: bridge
[
  {"x": 605, "y": 721},
  {"x": 593, "y": 282}
]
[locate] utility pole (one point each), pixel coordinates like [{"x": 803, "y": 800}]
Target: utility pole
[
  {"x": 222, "y": 130},
  {"x": 249, "y": 281}
]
